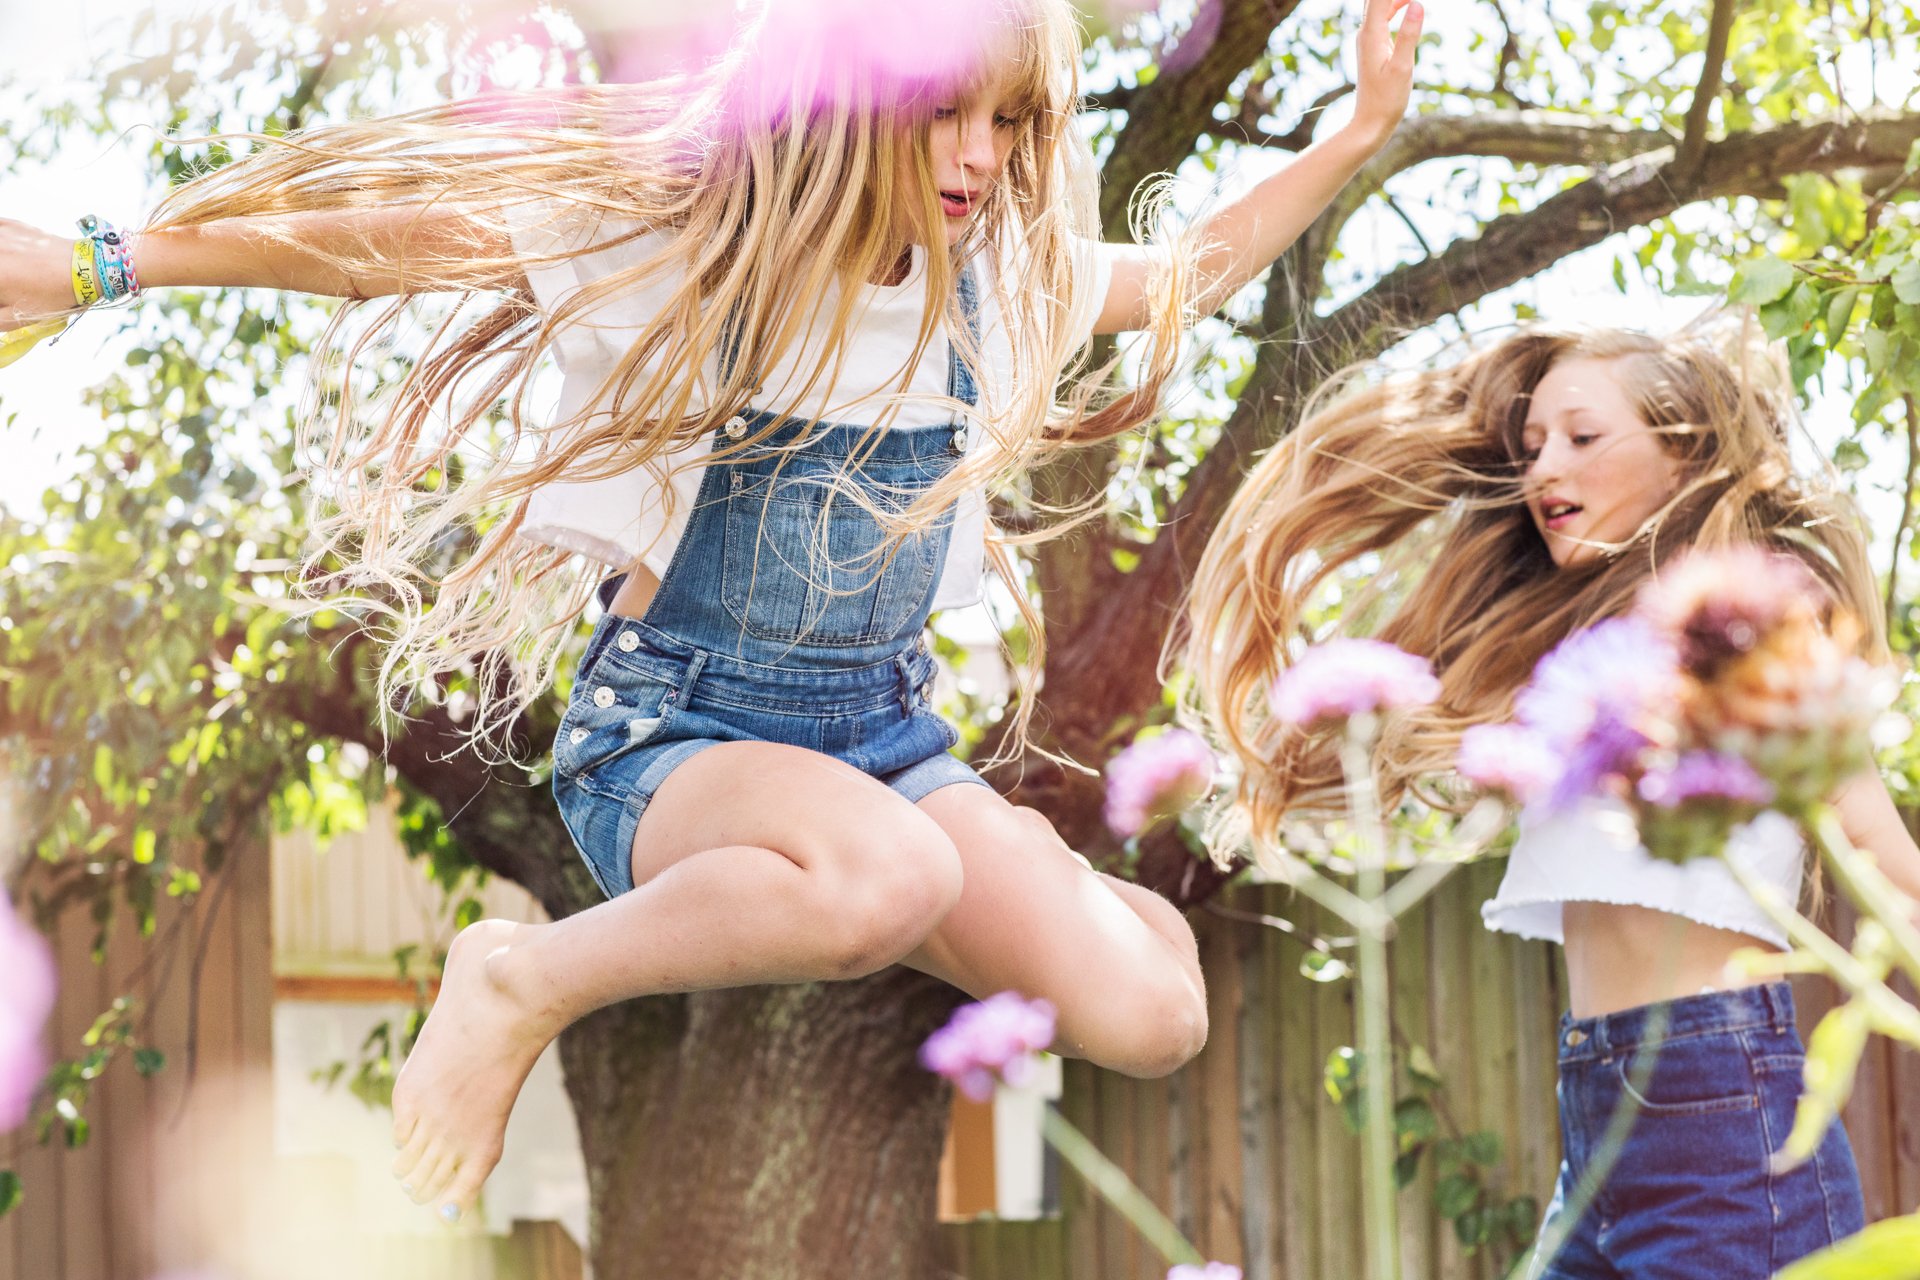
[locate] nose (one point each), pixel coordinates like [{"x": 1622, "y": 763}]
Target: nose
[
  {"x": 977, "y": 152},
  {"x": 1547, "y": 465}
]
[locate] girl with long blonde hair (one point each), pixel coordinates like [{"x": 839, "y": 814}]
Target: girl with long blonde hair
[
  {"x": 809, "y": 300},
  {"x": 1502, "y": 504}
]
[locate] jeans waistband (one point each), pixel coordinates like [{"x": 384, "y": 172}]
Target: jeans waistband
[{"x": 1710, "y": 1013}]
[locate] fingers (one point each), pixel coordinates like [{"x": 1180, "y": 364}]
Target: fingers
[{"x": 1407, "y": 39}]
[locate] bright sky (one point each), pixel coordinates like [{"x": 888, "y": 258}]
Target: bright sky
[{"x": 38, "y": 47}]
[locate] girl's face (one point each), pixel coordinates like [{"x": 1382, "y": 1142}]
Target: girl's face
[
  {"x": 968, "y": 146},
  {"x": 1596, "y": 469}
]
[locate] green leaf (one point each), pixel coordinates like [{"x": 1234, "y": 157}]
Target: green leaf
[
  {"x": 1318, "y": 966},
  {"x": 1887, "y": 1250},
  {"x": 148, "y": 1062},
  {"x": 1761, "y": 281},
  {"x": 1906, "y": 282},
  {"x": 1482, "y": 1147},
  {"x": 1455, "y": 1194},
  {"x": 10, "y": 1191},
  {"x": 1833, "y": 1055}
]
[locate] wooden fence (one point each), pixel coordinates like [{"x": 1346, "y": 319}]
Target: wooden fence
[{"x": 1256, "y": 1165}]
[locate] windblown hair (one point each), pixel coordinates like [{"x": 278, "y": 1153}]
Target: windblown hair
[
  {"x": 775, "y": 167},
  {"x": 1422, "y": 474}
]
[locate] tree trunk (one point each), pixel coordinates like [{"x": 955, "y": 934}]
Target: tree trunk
[{"x": 763, "y": 1133}]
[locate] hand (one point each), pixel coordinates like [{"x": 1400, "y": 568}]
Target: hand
[
  {"x": 36, "y": 275},
  {"x": 1385, "y": 57}
]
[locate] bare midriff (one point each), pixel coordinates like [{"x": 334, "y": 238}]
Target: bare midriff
[
  {"x": 1619, "y": 957},
  {"x": 635, "y": 594}
]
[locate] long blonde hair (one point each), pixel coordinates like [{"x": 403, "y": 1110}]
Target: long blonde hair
[
  {"x": 775, "y": 166},
  {"x": 1423, "y": 473}
]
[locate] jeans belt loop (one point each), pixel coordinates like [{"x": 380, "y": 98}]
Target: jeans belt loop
[{"x": 682, "y": 694}]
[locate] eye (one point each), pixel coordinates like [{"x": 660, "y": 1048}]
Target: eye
[
  {"x": 1008, "y": 122},
  {"x": 1582, "y": 440}
]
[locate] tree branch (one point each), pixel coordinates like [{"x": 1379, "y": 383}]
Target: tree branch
[
  {"x": 1167, "y": 116},
  {"x": 1693, "y": 143}
]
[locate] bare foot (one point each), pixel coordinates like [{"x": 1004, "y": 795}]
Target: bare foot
[{"x": 453, "y": 1094}]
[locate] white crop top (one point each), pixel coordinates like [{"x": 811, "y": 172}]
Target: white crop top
[
  {"x": 626, "y": 518},
  {"x": 1592, "y": 853}
]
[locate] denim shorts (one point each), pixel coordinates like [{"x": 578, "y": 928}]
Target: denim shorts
[
  {"x": 645, "y": 703},
  {"x": 1692, "y": 1192}
]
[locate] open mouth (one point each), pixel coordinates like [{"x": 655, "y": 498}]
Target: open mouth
[
  {"x": 1556, "y": 514},
  {"x": 956, "y": 204}
]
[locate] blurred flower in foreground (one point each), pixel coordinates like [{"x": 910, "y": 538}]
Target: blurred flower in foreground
[
  {"x": 28, "y": 998},
  {"x": 995, "y": 1039},
  {"x": 1729, "y": 690},
  {"x": 1211, "y": 1271},
  {"x": 1157, "y": 777},
  {"x": 1345, "y": 678}
]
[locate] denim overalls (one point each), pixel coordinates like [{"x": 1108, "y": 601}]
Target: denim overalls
[{"x": 782, "y": 617}]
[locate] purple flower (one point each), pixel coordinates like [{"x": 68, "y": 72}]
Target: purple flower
[
  {"x": 1157, "y": 776},
  {"x": 1345, "y": 678},
  {"x": 1609, "y": 749},
  {"x": 996, "y": 1038},
  {"x": 1513, "y": 758},
  {"x": 1618, "y": 669},
  {"x": 27, "y": 999},
  {"x": 1211, "y": 1271},
  {"x": 1709, "y": 776}
]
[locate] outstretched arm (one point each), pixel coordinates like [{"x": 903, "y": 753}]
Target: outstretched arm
[
  {"x": 295, "y": 252},
  {"x": 1245, "y": 237}
]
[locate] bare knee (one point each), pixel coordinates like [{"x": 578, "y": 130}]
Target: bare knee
[
  {"x": 1168, "y": 1022},
  {"x": 884, "y": 891}
]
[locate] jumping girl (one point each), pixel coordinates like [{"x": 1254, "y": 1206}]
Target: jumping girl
[
  {"x": 1515, "y": 498},
  {"x": 809, "y": 302}
]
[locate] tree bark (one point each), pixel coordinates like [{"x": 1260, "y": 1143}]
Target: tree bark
[{"x": 763, "y": 1133}]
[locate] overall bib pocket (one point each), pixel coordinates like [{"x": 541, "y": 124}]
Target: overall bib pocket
[{"x": 805, "y": 561}]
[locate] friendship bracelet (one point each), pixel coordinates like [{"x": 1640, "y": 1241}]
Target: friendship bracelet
[{"x": 111, "y": 256}]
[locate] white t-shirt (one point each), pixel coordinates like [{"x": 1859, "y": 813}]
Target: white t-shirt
[
  {"x": 1592, "y": 853},
  {"x": 628, "y": 517}
]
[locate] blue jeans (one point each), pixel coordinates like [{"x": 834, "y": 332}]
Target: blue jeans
[{"x": 1692, "y": 1194}]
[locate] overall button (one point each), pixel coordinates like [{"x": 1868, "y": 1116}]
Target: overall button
[
  {"x": 959, "y": 442},
  {"x": 628, "y": 641},
  {"x": 577, "y": 737},
  {"x": 603, "y": 697},
  {"x": 736, "y": 427},
  {"x": 1576, "y": 1038}
]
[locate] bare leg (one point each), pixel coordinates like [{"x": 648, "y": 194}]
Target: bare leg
[
  {"x": 814, "y": 871},
  {"x": 1116, "y": 960}
]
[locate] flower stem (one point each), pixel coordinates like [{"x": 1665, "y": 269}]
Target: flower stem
[
  {"x": 1867, "y": 886},
  {"x": 1106, "y": 1177},
  {"x": 1379, "y": 1184}
]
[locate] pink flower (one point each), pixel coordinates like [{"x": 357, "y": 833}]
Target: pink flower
[
  {"x": 1155, "y": 777},
  {"x": 1512, "y": 758},
  {"x": 1717, "y": 605},
  {"x": 1211, "y": 1271},
  {"x": 1346, "y": 678},
  {"x": 26, "y": 1000},
  {"x": 995, "y": 1039}
]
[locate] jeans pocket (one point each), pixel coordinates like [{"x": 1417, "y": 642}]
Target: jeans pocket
[
  {"x": 608, "y": 716},
  {"x": 1699, "y": 1075}
]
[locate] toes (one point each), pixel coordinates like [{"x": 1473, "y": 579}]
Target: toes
[
  {"x": 408, "y": 1162},
  {"x": 463, "y": 1191},
  {"x": 436, "y": 1182},
  {"x": 426, "y": 1175}
]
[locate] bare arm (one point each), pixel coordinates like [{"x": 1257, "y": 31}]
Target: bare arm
[
  {"x": 294, "y": 252},
  {"x": 1874, "y": 826},
  {"x": 1245, "y": 237}
]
